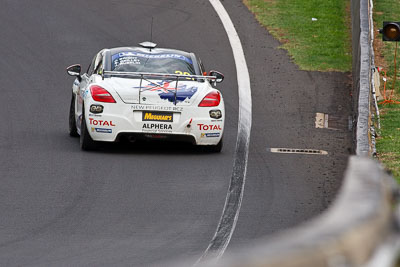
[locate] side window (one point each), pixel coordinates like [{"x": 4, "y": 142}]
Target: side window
[
  {"x": 99, "y": 68},
  {"x": 201, "y": 66},
  {"x": 91, "y": 67},
  {"x": 98, "y": 62}
]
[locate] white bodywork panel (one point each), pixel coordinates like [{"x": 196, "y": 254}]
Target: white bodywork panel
[{"x": 149, "y": 107}]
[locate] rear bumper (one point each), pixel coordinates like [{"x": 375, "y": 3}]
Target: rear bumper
[
  {"x": 127, "y": 121},
  {"x": 132, "y": 137}
]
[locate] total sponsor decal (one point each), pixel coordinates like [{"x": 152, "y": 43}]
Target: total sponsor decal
[
  {"x": 101, "y": 130},
  {"x": 209, "y": 127},
  {"x": 155, "y": 127},
  {"x": 100, "y": 122},
  {"x": 209, "y": 135}
]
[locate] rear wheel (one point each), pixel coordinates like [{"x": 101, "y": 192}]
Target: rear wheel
[
  {"x": 86, "y": 140},
  {"x": 72, "y": 122}
]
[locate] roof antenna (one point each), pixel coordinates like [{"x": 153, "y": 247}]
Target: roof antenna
[
  {"x": 151, "y": 30},
  {"x": 149, "y": 45}
]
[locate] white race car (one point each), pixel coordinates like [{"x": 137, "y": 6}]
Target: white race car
[{"x": 146, "y": 92}]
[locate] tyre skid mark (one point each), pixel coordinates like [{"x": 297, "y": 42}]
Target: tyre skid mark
[{"x": 230, "y": 213}]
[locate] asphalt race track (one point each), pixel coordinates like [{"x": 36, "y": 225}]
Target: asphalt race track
[{"x": 141, "y": 204}]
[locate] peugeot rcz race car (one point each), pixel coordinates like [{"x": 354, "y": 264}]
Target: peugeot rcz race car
[{"x": 145, "y": 92}]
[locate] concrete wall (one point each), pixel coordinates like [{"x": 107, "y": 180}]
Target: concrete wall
[{"x": 361, "y": 71}]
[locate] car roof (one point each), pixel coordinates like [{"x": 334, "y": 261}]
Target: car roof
[{"x": 148, "y": 50}]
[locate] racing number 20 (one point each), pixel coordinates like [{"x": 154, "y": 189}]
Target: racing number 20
[{"x": 183, "y": 73}]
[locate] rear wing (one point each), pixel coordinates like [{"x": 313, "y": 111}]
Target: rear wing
[
  {"x": 141, "y": 75},
  {"x": 148, "y": 75}
]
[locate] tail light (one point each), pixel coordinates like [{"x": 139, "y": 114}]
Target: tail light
[
  {"x": 211, "y": 99},
  {"x": 100, "y": 94}
]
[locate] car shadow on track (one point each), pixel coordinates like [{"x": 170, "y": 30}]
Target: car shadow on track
[
  {"x": 149, "y": 148},
  {"x": 146, "y": 147}
]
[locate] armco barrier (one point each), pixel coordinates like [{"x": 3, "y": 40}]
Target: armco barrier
[
  {"x": 362, "y": 73},
  {"x": 347, "y": 234}
]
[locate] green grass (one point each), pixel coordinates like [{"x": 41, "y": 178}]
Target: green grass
[
  {"x": 388, "y": 142},
  {"x": 386, "y": 10},
  {"x": 323, "y": 45}
]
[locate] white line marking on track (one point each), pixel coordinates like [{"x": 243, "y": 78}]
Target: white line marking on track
[{"x": 234, "y": 196}]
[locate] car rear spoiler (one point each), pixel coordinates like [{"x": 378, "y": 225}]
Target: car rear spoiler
[
  {"x": 146, "y": 75},
  {"x": 160, "y": 75}
]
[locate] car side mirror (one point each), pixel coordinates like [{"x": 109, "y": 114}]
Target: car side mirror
[
  {"x": 219, "y": 76},
  {"x": 75, "y": 70}
]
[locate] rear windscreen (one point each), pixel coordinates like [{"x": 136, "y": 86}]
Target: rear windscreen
[{"x": 154, "y": 63}]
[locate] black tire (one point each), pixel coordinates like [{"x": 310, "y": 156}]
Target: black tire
[
  {"x": 86, "y": 140},
  {"x": 72, "y": 122},
  {"x": 214, "y": 148}
]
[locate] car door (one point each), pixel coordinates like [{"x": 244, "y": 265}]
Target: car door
[
  {"x": 81, "y": 93},
  {"x": 85, "y": 83}
]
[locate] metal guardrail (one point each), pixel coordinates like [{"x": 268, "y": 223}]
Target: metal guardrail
[
  {"x": 347, "y": 234},
  {"x": 362, "y": 77}
]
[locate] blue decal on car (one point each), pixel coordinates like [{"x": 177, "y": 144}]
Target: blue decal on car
[
  {"x": 155, "y": 56},
  {"x": 79, "y": 120},
  {"x": 103, "y": 130},
  {"x": 166, "y": 91},
  {"x": 212, "y": 134}
]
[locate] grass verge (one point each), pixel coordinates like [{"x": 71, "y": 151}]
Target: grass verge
[
  {"x": 388, "y": 142},
  {"x": 324, "y": 44},
  {"x": 316, "y": 33}
]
